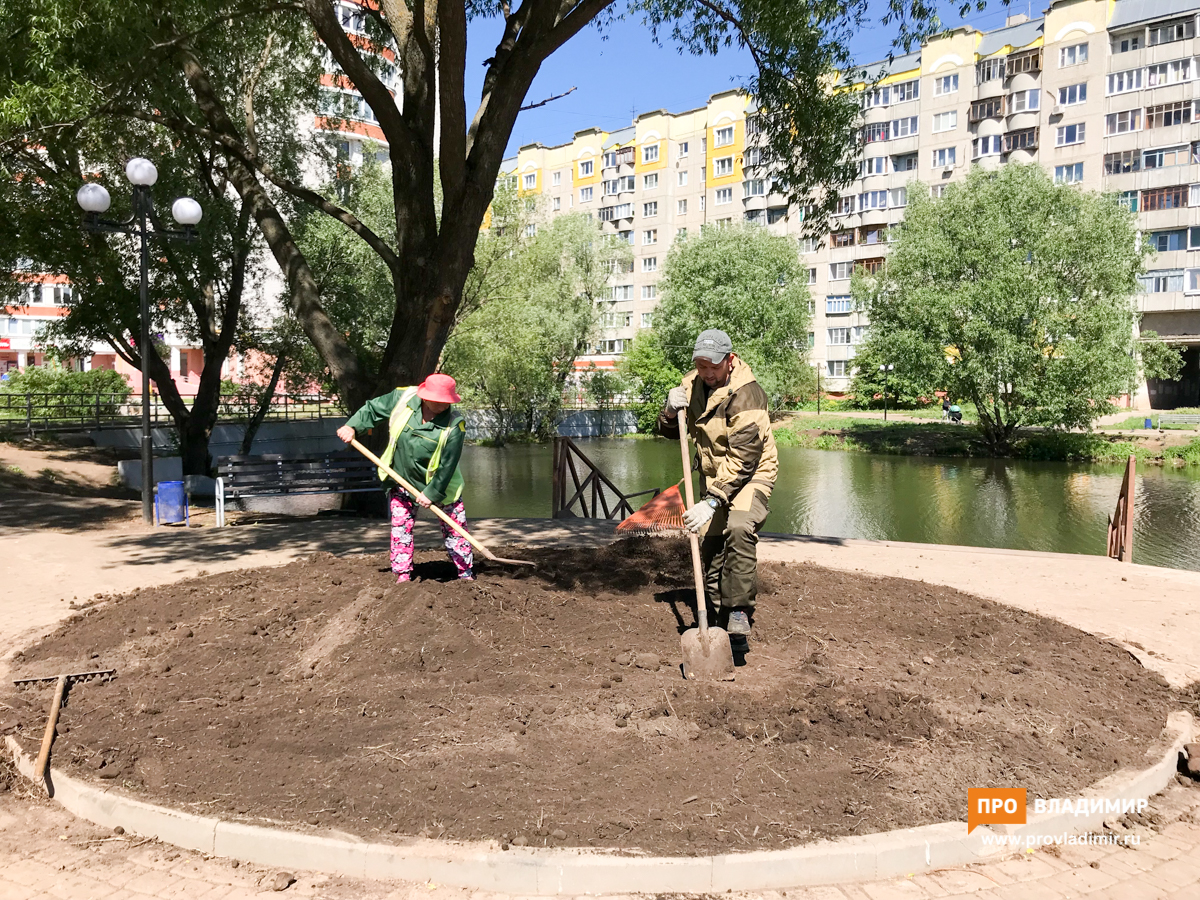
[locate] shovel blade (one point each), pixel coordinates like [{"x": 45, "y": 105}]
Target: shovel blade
[{"x": 709, "y": 658}]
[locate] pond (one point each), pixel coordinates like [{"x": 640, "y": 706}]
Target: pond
[{"x": 1016, "y": 504}]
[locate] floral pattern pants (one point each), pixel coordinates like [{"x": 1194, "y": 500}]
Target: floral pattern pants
[{"x": 404, "y": 516}]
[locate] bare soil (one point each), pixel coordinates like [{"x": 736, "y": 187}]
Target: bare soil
[{"x": 547, "y": 707}]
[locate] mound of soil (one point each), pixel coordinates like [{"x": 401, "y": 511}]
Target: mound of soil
[{"x": 546, "y": 706}]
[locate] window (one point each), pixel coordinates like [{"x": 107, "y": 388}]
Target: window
[
  {"x": 649, "y": 291},
  {"x": 1072, "y": 94},
  {"x": 845, "y": 205},
  {"x": 842, "y": 239},
  {"x": 873, "y": 200},
  {"x": 701, "y": 203},
  {"x": 650, "y": 236},
  {"x": 617, "y": 266},
  {"x": 647, "y": 319},
  {"x": 835, "y": 306},
  {"x": 680, "y": 233},
  {"x": 987, "y": 109},
  {"x": 1168, "y": 32},
  {"x": 585, "y": 168},
  {"x": 905, "y": 91},
  {"x": 183, "y": 363},
  {"x": 945, "y": 84},
  {"x": 988, "y": 145},
  {"x": 610, "y": 159},
  {"x": 876, "y": 132},
  {"x": 530, "y": 229},
  {"x": 898, "y": 197},
  {"x": 1022, "y": 139},
  {"x": 1123, "y": 82},
  {"x": 1129, "y": 200},
  {"x": 650, "y": 182},
  {"x": 812, "y": 276},
  {"x": 1075, "y": 55},
  {"x": 756, "y": 187},
  {"x": 649, "y": 210},
  {"x": 622, "y": 292},
  {"x": 723, "y": 137},
  {"x": 1072, "y": 174},
  {"x": 1193, "y": 281},
  {"x": 724, "y": 195},
  {"x": 650, "y": 264},
  {"x": 938, "y": 190},
  {"x": 1120, "y": 163},
  {"x": 1169, "y": 73},
  {"x": 529, "y": 182},
  {"x": 1127, "y": 42},
  {"x": 752, "y": 157},
  {"x": 722, "y": 166},
  {"x": 725, "y": 223},
  {"x": 1169, "y": 114},
  {"x": 835, "y": 368},
  {"x": 878, "y": 97},
  {"x": 1029, "y": 61},
  {"x": 776, "y": 214},
  {"x": 943, "y": 158},
  {"x": 556, "y": 179},
  {"x": 875, "y": 165},
  {"x": 837, "y": 336},
  {"x": 860, "y": 334},
  {"x": 989, "y": 69},
  {"x": 945, "y": 121},
  {"x": 612, "y": 346},
  {"x": 840, "y": 271},
  {"x": 650, "y": 153},
  {"x": 1167, "y": 156},
  {"x": 681, "y": 179},
  {"x": 905, "y": 163},
  {"x": 1024, "y": 101},
  {"x": 683, "y": 148},
  {"x": 62, "y": 294},
  {"x": 1121, "y": 122},
  {"x": 1069, "y": 134},
  {"x": 755, "y": 216},
  {"x": 585, "y": 194},
  {"x": 812, "y": 339},
  {"x": 1166, "y": 241},
  {"x": 626, "y": 236},
  {"x": 809, "y": 244},
  {"x": 1162, "y": 281},
  {"x": 1174, "y": 197},
  {"x": 904, "y": 127},
  {"x": 556, "y": 204},
  {"x": 876, "y": 234},
  {"x": 681, "y": 207}
]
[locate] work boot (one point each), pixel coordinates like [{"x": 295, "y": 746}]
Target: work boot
[
  {"x": 739, "y": 622},
  {"x": 403, "y": 577}
]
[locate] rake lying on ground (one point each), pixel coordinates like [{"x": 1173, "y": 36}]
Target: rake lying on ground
[{"x": 662, "y": 513}]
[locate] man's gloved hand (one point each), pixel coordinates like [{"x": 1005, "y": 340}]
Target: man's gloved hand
[
  {"x": 676, "y": 400},
  {"x": 697, "y": 516}
]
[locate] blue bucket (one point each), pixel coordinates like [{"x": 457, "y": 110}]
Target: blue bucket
[{"x": 170, "y": 503}]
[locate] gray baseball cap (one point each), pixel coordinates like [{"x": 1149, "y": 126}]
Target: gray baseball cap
[{"x": 713, "y": 345}]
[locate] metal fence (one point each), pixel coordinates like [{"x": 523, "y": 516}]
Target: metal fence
[{"x": 33, "y": 414}]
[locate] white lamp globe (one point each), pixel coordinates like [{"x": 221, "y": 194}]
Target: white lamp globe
[
  {"x": 93, "y": 198},
  {"x": 141, "y": 172},
  {"x": 186, "y": 211}
]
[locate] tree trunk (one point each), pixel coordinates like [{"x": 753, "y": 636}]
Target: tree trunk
[{"x": 264, "y": 404}]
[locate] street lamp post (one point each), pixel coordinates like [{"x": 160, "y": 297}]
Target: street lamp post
[
  {"x": 885, "y": 370},
  {"x": 144, "y": 223}
]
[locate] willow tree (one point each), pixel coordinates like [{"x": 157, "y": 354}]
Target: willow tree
[{"x": 234, "y": 74}]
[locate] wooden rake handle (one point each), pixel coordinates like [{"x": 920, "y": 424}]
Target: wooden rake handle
[
  {"x": 693, "y": 538},
  {"x": 436, "y": 509},
  {"x": 43, "y": 759}
]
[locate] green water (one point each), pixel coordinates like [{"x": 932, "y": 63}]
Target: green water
[{"x": 984, "y": 503}]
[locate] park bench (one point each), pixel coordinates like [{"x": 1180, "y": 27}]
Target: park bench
[
  {"x": 341, "y": 472},
  {"x": 1178, "y": 419}
]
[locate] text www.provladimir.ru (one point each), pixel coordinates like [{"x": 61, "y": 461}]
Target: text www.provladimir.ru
[{"x": 1043, "y": 840}]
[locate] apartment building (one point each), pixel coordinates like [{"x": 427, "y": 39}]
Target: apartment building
[{"x": 1103, "y": 94}]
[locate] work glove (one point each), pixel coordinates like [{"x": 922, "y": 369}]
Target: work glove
[
  {"x": 676, "y": 400},
  {"x": 697, "y": 516}
]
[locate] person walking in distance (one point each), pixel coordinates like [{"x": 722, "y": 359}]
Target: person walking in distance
[
  {"x": 727, "y": 418},
  {"x": 425, "y": 441}
]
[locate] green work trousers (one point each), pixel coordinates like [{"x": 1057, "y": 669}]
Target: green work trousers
[{"x": 729, "y": 549}]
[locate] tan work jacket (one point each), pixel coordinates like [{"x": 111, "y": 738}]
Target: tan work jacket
[{"x": 732, "y": 431}]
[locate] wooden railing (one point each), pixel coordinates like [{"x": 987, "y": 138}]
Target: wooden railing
[
  {"x": 590, "y": 496},
  {"x": 1120, "y": 524}
]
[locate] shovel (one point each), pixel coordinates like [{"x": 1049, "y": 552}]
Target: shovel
[
  {"x": 441, "y": 515},
  {"x": 706, "y": 651}
]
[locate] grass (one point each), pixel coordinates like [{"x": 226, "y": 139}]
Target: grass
[{"x": 1138, "y": 422}]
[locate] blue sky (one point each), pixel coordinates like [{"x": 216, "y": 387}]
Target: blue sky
[{"x": 627, "y": 74}]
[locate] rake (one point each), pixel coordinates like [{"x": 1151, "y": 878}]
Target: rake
[{"x": 663, "y": 513}]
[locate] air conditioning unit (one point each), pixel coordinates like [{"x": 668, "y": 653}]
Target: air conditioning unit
[{"x": 947, "y": 170}]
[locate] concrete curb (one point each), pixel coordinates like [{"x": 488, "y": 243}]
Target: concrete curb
[{"x": 533, "y": 871}]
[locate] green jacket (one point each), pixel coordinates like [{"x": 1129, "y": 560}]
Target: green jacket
[{"x": 416, "y": 444}]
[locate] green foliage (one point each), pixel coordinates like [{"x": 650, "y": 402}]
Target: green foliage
[
  {"x": 750, "y": 284},
  {"x": 534, "y": 313},
  {"x": 1159, "y": 359},
  {"x": 1030, "y": 318},
  {"x": 905, "y": 387},
  {"x": 651, "y": 376},
  {"x": 63, "y": 394}
]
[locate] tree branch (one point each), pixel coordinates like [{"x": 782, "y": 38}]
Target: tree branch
[
  {"x": 547, "y": 100},
  {"x": 248, "y": 99}
]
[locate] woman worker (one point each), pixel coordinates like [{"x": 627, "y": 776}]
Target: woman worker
[{"x": 425, "y": 440}]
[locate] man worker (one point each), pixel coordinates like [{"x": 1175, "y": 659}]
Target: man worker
[{"x": 727, "y": 418}]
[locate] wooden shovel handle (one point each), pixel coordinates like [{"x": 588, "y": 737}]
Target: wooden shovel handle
[
  {"x": 436, "y": 509},
  {"x": 43, "y": 759},
  {"x": 693, "y": 538}
]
